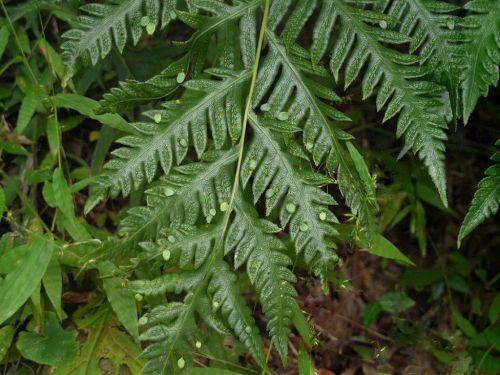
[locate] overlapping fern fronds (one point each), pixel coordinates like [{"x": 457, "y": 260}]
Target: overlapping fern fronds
[{"x": 225, "y": 171}]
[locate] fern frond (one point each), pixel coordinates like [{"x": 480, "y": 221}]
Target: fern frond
[
  {"x": 222, "y": 23},
  {"x": 166, "y": 139},
  {"x": 486, "y": 199},
  {"x": 191, "y": 190},
  {"x": 224, "y": 292},
  {"x": 170, "y": 329},
  {"x": 130, "y": 93},
  {"x": 295, "y": 97},
  {"x": 105, "y": 25},
  {"x": 435, "y": 36},
  {"x": 168, "y": 283},
  {"x": 252, "y": 241},
  {"x": 482, "y": 34},
  {"x": 296, "y": 193},
  {"x": 359, "y": 38},
  {"x": 267, "y": 267}
]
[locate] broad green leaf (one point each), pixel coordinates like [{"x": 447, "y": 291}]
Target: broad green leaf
[
  {"x": 6, "y": 336},
  {"x": 120, "y": 297},
  {"x": 27, "y": 110},
  {"x": 395, "y": 302},
  {"x": 463, "y": 324},
  {"x": 379, "y": 245},
  {"x": 87, "y": 106},
  {"x": 494, "y": 311},
  {"x": 13, "y": 148},
  {"x": 4, "y": 38},
  {"x": 486, "y": 362},
  {"x": 305, "y": 363},
  {"x": 53, "y": 135},
  {"x": 420, "y": 278},
  {"x": 52, "y": 282},
  {"x": 55, "y": 347},
  {"x": 371, "y": 312},
  {"x": 103, "y": 341},
  {"x": 2, "y": 201},
  {"x": 13, "y": 258},
  {"x": 21, "y": 282},
  {"x": 64, "y": 202}
]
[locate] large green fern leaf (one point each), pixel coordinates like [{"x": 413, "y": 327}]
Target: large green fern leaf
[
  {"x": 482, "y": 34},
  {"x": 434, "y": 30},
  {"x": 360, "y": 39},
  {"x": 108, "y": 24},
  {"x": 486, "y": 199}
]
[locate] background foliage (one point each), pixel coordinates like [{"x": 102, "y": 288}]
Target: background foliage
[{"x": 347, "y": 246}]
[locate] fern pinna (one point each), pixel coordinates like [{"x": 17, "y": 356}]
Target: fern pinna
[{"x": 245, "y": 140}]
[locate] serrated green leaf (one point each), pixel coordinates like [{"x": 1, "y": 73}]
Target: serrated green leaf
[
  {"x": 482, "y": 52},
  {"x": 486, "y": 199}
]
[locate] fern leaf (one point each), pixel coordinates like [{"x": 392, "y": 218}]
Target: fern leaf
[
  {"x": 359, "y": 43},
  {"x": 486, "y": 199},
  {"x": 130, "y": 93},
  {"x": 321, "y": 138},
  {"x": 164, "y": 326},
  {"x": 105, "y": 25},
  {"x": 167, "y": 283},
  {"x": 297, "y": 194},
  {"x": 223, "y": 290},
  {"x": 180, "y": 124},
  {"x": 221, "y": 22},
  {"x": 434, "y": 31},
  {"x": 189, "y": 191},
  {"x": 267, "y": 269},
  {"x": 482, "y": 33},
  {"x": 171, "y": 327}
]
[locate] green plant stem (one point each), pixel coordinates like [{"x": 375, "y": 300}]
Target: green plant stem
[{"x": 248, "y": 104}]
